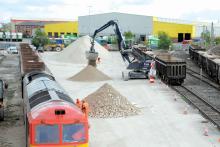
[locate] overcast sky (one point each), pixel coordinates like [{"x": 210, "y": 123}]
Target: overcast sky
[{"x": 199, "y": 10}]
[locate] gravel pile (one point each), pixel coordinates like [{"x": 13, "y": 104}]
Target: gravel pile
[
  {"x": 90, "y": 74},
  {"x": 75, "y": 52},
  {"x": 214, "y": 51},
  {"x": 106, "y": 102}
]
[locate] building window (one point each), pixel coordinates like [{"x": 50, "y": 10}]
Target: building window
[
  {"x": 55, "y": 34},
  {"x": 49, "y": 34},
  {"x": 68, "y": 33}
]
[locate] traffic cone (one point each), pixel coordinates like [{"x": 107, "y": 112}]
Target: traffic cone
[
  {"x": 206, "y": 132},
  {"x": 151, "y": 79}
]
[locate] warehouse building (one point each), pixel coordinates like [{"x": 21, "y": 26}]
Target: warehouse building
[
  {"x": 54, "y": 27},
  {"x": 27, "y": 27},
  {"x": 56, "y": 30},
  {"x": 140, "y": 25},
  {"x": 176, "y": 29}
]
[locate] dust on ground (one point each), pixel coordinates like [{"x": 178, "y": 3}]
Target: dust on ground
[{"x": 12, "y": 130}]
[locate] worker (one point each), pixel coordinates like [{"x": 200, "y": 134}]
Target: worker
[
  {"x": 78, "y": 103},
  {"x": 85, "y": 108}
]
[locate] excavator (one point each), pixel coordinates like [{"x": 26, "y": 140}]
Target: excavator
[{"x": 138, "y": 65}]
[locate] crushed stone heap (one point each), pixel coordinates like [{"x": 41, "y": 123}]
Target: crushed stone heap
[
  {"x": 106, "y": 102},
  {"x": 90, "y": 74},
  {"x": 76, "y": 52},
  {"x": 215, "y": 50}
]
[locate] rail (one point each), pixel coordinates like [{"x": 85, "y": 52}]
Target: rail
[{"x": 203, "y": 94}]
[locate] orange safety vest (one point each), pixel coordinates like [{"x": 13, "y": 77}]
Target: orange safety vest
[
  {"x": 85, "y": 108},
  {"x": 79, "y": 103}
]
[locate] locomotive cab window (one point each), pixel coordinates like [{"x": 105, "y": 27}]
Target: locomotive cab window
[
  {"x": 47, "y": 134},
  {"x": 74, "y": 133}
]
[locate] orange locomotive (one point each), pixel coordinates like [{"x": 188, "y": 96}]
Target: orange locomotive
[{"x": 52, "y": 118}]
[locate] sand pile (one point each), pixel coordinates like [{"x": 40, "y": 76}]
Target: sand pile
[
  {"x": 106, "y": 102},
  {"x": 75, "y": 52},
  {"x": 89, "y": 74},
  {"x": 214, "y": 51}
]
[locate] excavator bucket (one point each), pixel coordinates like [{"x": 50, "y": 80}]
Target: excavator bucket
[{"x": 92, "y": 57}]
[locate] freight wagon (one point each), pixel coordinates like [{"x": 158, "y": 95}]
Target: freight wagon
[
  {"x": 209, "y": 63},
  {"x": 172, "y": 70}
]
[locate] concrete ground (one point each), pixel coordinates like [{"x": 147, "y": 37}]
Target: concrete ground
[
  {"x": 12, "y": 130},
  {"x": 162, "y": 122}
]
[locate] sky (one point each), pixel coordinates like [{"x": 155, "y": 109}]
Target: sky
[{"x": 193, "y": 10}]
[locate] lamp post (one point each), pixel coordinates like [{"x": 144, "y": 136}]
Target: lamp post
[{"x": 89, "y": 18}]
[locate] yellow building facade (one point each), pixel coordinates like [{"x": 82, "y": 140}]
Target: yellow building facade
[
  {"x": 62, "y": 28},
  {"x": 176, "y": 30}
]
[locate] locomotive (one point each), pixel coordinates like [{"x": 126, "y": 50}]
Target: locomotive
[{"x": 52, "y": 119}]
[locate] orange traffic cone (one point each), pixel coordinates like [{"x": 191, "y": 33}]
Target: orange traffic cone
[
  {"x": 206, "y": 132},
  {"x": 151, "y": 79}
]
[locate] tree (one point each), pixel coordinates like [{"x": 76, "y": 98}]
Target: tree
[
  {"x": 128, "y": 35},
  {"x": 217, "y": 40},
  {"x": 164, "y": 40},
  {"x": 206, "y": 36},
  {"x": 40, "y": 39},
  {"x": 5, "y": 27}
]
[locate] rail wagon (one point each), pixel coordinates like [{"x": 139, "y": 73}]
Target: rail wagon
[
  {"x": 213, "y": 71},
  {"x": 172, "y": 70},
  {"x": 193, "y": 52},
  {"x": 52, "y": 119}
]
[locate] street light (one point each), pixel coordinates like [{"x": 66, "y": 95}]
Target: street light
[{"x": 89, "y": 18}]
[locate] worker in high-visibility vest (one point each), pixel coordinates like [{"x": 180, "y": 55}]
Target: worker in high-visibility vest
[
  {"x": 85, "y": 108},
  {"x": 78, "y": 103}
]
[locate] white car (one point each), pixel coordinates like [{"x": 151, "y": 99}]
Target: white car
[{"x": 12, "y": 50}]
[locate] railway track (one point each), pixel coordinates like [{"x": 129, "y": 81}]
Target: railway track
[
  {"x": 203, "y": 78},
  {"x": 203, "y": 94}
]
